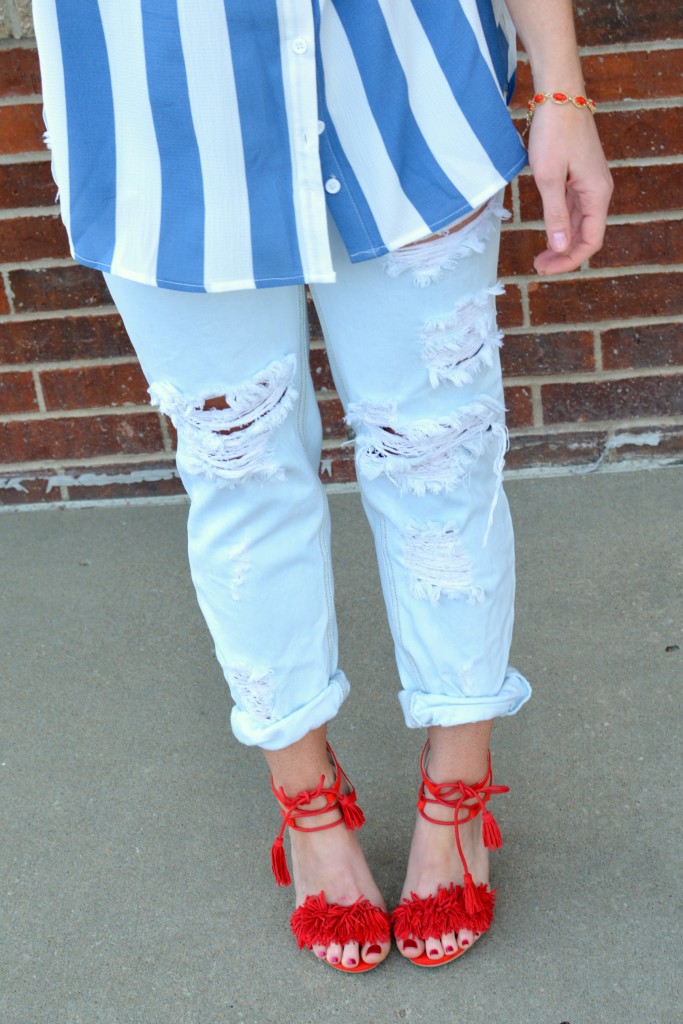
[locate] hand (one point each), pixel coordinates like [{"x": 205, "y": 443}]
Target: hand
[{"x": 575, "y": 184}]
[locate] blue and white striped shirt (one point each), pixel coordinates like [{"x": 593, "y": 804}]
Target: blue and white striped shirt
[{"x": 197, "y": 144}]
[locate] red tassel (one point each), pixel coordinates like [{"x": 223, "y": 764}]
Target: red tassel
[
  {"x": 353, "y": 816},
  {"x": 473, "y": 902},
  {"x": 493, "y": 840},
  {"x": 278, "y": 862}
]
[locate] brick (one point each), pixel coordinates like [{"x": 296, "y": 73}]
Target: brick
[
  {"x": 555, "y": 449},
  {"x": 560, "y": 352},
  {"x": 337, "y": 466},
  {"x": 4, "y": 302},
  {"x": 631, "y": 74},
  {"x": 520, "y": 412},
  {"x": 315, "y": 330},
  {"x": 19, "y": 72},
  {"x": 32, "y": 238},
  {"x": 648, "y": 243},
  {"x": 637, "y": 443},
  {"x": 91, "y": 386},
  {"x": 517, "y": 251},
  {"x": 21, "y": 128},
  {"x": 63, "y": 338},
  {"x": 638, "y": 133},
  {"x": 320, "y": 370},
  {"x": 17, "y": 393},
  {"x": 626, "y": 348},
  {"x": 58, "y": 288},
  {"x": 601, "y": 298},
  {"x": 27, "y": 184},
  {"x": 332, "y": 415},
  {"x": 79, "y": 437},
  {"x": 25, "y": 488},
  {"x": 612, "y": 399},
  {"x": 509, "y": 307},
  {"x": 604, "y": 22}
]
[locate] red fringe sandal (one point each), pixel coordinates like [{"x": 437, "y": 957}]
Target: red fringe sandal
[
  {"x": 317, "y": 922},
  {"x": 459, "y": 906}
]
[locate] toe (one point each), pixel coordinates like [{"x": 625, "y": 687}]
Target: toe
[
  {"x": 411, "y": 947},
  {"x": 465, "y": 938},
  {"x": 351, "y": 954},
  {"x": 433, "y": 948},
  {"x": 320, "y": 951},
  {"x": 334, "y": 953},
  {"x": 449, "y": 943},
  {"x": 373, "y": 952}
]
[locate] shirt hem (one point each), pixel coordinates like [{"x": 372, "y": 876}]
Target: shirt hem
[{"x": 460, "y": 211}]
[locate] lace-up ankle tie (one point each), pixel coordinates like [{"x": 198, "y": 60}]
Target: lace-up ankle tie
[
  {"x": 466, "y": 802},
  {"x": 295, "y": 809}
]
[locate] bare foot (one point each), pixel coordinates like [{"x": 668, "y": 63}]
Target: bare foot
[
  {"x": 332, "y": 862},
  {"x": 455, "y": 753},
  {"x": 434, "y": 863}
]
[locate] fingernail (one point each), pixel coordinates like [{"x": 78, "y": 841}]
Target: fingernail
[
  {"x": 559, "y": 240},
  {"x": 373, "y": 950}
]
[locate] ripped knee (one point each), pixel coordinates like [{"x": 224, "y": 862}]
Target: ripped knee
[
  {"x": 229, "y": 437},
  {"x": 428, "y": 455}
]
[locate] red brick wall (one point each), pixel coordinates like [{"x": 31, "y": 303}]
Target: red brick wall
[{"x": 593, "y": 361}]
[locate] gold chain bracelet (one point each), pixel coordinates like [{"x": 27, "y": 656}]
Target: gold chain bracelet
[{"x": 581, "y": 102}]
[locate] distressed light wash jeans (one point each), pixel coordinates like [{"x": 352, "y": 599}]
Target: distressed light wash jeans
[{"x": 413, "y": 345}]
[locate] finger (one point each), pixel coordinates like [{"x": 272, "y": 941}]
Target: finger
[
  {"x": 588, "y": 238},
  {"x": 555, "y": 214}
]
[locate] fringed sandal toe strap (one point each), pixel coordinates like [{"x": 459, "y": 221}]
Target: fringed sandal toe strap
[
  {"x": 469, "y": 905},
  {"x": 317, "y": 922}
]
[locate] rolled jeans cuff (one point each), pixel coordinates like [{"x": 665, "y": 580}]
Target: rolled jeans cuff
[
  {"x": 422, "y": 709},
  {"x": 276, "y": 734}
]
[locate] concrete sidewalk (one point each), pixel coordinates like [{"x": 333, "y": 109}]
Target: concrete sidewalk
[{"x": 136, "y": 832}]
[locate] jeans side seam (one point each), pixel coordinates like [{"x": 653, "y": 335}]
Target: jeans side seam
[{"x": 392, "y": 590}]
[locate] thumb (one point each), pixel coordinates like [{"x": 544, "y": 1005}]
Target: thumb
[{"x": 556, "y": 217}]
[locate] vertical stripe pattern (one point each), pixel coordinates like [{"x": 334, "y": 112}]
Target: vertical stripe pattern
[{"x": 200, "y": 144}]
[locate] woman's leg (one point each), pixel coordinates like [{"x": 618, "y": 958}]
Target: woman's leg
[
  {"x": 231, "y": 369},
  {"x": 418, "y": 371}
]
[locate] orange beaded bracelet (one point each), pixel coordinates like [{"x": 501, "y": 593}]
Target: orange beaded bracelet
[{"x": 581, "y": 102}]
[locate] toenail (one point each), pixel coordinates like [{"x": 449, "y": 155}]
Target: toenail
[
  {"x": 334, "y": 959},
  {"x": 374, "y": 950},
  {"x": 449, "y": 949},
  {"x": 465, "y": 942},
  {"x": 350, "y": 963},
  {"x": 321, "y": 954},
  {"x": 409, "y": 944}
]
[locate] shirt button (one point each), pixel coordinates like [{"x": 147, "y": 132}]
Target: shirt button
[
  {"x": 300, "y": 45},
  {"x": 321, "y": 127},
  {"x": 332, "y": 185}
]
